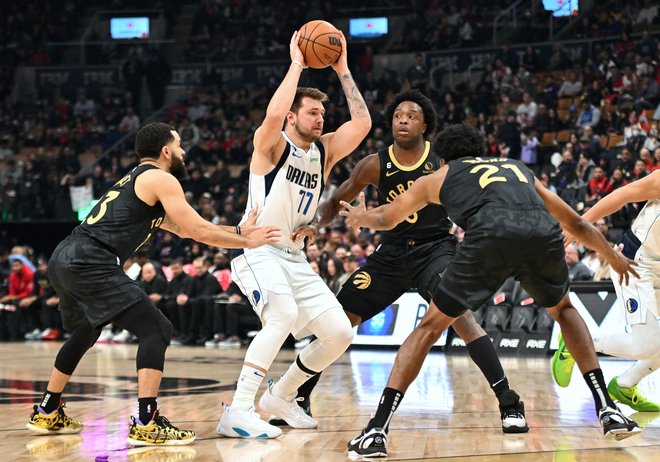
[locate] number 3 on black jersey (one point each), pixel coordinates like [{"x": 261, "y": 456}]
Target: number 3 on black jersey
[
  {"x": 110, "y": 196},
  {"x": 487, "y": 177}
]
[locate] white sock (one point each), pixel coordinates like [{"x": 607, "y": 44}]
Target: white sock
[
  {"x": 290, "y": 381},
  {"x": 637, "y": 372},
  {"x": 247, "y": 387}
]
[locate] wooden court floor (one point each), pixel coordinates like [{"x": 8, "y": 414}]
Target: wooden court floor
[{"x": 449, "y": 413}]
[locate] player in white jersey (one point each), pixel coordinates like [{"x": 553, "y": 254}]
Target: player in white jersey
[
  {"x": 288, "y": 170},
  {"x": 638, "y": 299}
]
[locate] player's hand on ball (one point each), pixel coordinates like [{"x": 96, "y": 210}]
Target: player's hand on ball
[
  {"x": 294, "y": 49},
  {"x": 262, "y": 235},
  {"x": 341, "y": 65},
  {"x": 354, "y": 214}
]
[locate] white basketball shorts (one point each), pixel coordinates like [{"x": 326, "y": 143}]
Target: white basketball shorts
[{"x": 267, "y": 269}]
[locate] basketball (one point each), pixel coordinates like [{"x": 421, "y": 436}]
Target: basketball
[{"x": 320, "y": 43}]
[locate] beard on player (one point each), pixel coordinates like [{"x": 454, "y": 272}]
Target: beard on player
[
  {"x": 310, "y": 134},
  {"x": 177, "y": 168}
]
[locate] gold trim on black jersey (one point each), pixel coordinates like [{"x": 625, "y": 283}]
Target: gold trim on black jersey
[{"x": 410, "y": 168}]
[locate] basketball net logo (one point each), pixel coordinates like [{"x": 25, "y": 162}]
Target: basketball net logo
[{"x": 362, "y": 280}]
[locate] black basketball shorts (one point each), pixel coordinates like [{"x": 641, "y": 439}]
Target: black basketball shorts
[
  {"x": 392, "y": 270},
  {"x": 90, "y": 282}
]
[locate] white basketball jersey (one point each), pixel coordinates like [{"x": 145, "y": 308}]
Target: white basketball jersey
[
  {"x": 289, "y": 195},
  {"x": 647, "y": 229}
]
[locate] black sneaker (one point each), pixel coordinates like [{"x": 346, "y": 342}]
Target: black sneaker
[
  {"x": 616, "y": 425},
  {"x": 512, "y": 412},
  {"x": 369, "y": 443},
  {"x": 302, "y": 402}
]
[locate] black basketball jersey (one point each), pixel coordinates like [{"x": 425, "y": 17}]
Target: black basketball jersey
[
  {"x": 475, "y": 182},
  {"x": 120, "y": 220},
  {"x": 431, "y": 222}
]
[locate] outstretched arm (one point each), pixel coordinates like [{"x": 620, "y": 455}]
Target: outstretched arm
[
  {"x": 584, "y": 231},
  {"x": 637, "y": 191},
  {"x": 184, "y": 219},
  {"x": 424, "y": 191}
]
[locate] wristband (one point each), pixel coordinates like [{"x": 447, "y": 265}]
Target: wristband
[
  {"x": 238, "y": 230},
  {"x": 295, "y": 61}
]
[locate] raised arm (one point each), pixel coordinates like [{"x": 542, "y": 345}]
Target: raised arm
[
  {"x": 424, "y": 191},
  {"x": 637, "y": 191},
  {"x": 584, "y": 231},
  {"x": 349, "y": 136},
  {"x": 268, "y": 135}
]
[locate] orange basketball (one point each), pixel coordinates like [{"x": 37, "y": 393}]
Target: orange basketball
[{"x": 320, "y": 43}]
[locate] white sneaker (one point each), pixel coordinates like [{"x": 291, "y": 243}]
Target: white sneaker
[
  {"x": 229, "y": 343},
  {"x": 286, "y": 409},
  {"x": 123, "y": 337},
  {"x": 237, "y": 423},
  {"x": 212, "y": 343},
  {"x": 34, "y": 335},
  {"x": 106, "y": 335}
]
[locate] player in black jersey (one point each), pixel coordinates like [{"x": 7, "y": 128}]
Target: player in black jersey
[
  {"x": 86, "y": 271},
  {"x": 412, "y": 255},
  {"x": 507, "y": 216}
]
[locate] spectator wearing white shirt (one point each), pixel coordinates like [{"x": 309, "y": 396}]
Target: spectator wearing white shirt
[
  {"x": 130, "y": 123},
  {"x": 571, "y": 86},
  {"x": 526, "y": 110}
]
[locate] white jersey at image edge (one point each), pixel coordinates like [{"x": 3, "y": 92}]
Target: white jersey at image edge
[
  {"x": 647, "y": 229},
  {"x": 289, "y": 195}
]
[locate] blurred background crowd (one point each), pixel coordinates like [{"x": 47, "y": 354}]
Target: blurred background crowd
[{"x": 586, "y": 124}]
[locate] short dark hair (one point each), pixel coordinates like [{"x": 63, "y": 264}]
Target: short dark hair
[
  {"x": 307, "y": 92},
  {"x": 151, "y": 138},
  {"x": 430, "y": 116},
  {"x": 458, "y": 141}
]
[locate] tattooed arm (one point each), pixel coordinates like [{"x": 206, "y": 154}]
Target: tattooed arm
[{"x": 349, "y": 136}]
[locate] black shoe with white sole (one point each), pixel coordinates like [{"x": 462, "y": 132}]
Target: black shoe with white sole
[{"x": 369, "y": 443}]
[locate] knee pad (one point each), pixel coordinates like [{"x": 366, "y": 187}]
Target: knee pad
[
  {"x": 447, "y": 303},
  {"x": 81, "y": 340}
]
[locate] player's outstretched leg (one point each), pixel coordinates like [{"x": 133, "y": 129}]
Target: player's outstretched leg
[{"x": 579, "y": 342}]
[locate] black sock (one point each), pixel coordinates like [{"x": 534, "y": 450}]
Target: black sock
[
  {"x": 483, "y": 354},
  {"x": 50, "y": 401},
  {"x": 596, "y": 384},
  {"x": 146, "y": 409},
  {"x": 389, "y": 401},
  {"x": 305, "y": 390}
]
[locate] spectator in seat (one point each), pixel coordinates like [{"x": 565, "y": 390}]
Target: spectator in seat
[
  {"x": 154, "y": 285},
  {"x": 577, "y": 271},
  {"x": 200, "y": 305},
  {"x": 178, "y": 286},
  {"x": 589, "y": 115},
  {"x": 42, "y": 306},
  {"x": 571, "y": 87},
  {"x": 598, "y": 184},
  {"x": 21, "y": 286},
  {"x": 625, "y": 162}
]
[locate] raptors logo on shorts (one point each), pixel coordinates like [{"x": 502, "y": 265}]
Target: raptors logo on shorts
[{"x": 362, "y": 280}]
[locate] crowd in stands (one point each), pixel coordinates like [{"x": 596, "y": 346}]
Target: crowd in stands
[{"x": 585, "y": 128}]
